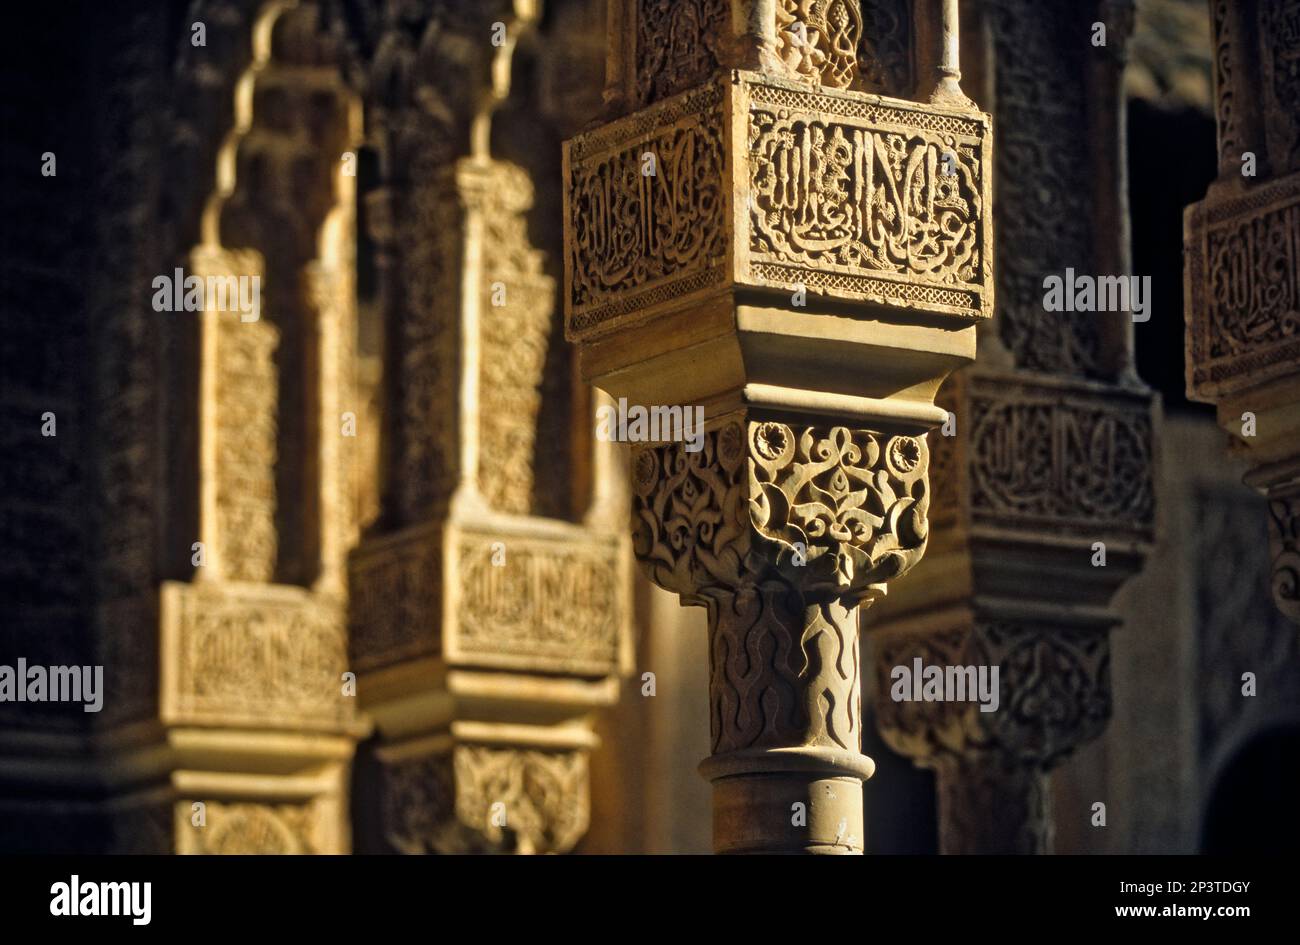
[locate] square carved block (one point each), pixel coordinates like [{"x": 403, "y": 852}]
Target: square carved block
[
  {"x": 537, "y": 596},
  {"x": 252, "y": 654},
  {"x": 507, "y": 592},
  {"x": 754, "y": 183},
  {"x": 1243, "y": 322}
]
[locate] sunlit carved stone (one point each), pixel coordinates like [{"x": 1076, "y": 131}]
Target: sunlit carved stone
[
  {"x": 781, "y": 531},
  {"x": 806, "y": 262},
  {"x": 484, "y": 634},
  {"x": 476, "y": 581},
  {"x": 240, "y": 663},
  {"x": 750, "y": 182}
]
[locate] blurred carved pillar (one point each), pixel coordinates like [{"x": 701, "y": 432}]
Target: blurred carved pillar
[
  {"x": 1051, "y": 454},
  {"x": 251, "y": 747},
  {"x": 484, "y": 635},
  {"x": 1242, "y": 266},
  {"x": 753, "y": 233}
]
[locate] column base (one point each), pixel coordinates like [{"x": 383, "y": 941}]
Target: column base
[{"x": 757, "y": 796}]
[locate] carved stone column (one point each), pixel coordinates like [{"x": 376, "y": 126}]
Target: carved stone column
[
  {"x": 762, "y": 238},
  {"x": 1242, "y": 270},
  {"x": 483, "y": 634},
  {"x": 1044, "y": 473},
  {"x": 247, "y": 736}
]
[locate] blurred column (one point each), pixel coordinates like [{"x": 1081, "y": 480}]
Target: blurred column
[
  {"x": 1043, "y": 474},
  {"x": 484, "y": 634},
  {"x": 1242, "y": 267}
]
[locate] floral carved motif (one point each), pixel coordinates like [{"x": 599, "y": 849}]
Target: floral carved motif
[
  {"x": 780, "y": 532},
  {"x": 486, "y": 799},
  {"x": 544, "y": 796},
  {"x": 841, "y": 44},
  {"x": 834, "y": 510},
  {"x": 856, "y": 500},
  {"x": 677, "y": 44},
  {"x": 1054, "y": 692},
  {"x": 819, "y": 40},
  {"x": 847, "y": 44}
]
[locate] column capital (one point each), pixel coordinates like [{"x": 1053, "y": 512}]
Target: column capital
[
  {"x": 828, "y": 512},
  {"x": 1052, "y": 690}
]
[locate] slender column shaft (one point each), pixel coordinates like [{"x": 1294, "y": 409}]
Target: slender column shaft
[{"x": 785, "y": 700}]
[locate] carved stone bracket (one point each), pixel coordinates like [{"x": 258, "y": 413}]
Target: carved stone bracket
[
  {"x": 1053, "y": 480},
  {"x": 475, "y": 798},
  {"x": 847, "y": 196},
  {"x": 992, "y": 766}
]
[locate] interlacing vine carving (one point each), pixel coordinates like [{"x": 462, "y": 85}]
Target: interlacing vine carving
[
  {"x": 1054, "y": 693},
  {"x": 677, "y": 44},
  {"x": 836, "y": 510},
  {"x": 819, "y": 39},
  {"x": 780, "y": 532},
  {"x": 856, "y": 500}
]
